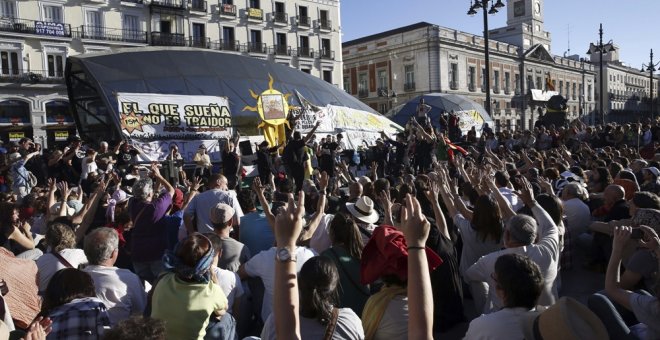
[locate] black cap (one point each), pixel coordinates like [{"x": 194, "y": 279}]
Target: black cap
[{"x": 74, "y": 138}]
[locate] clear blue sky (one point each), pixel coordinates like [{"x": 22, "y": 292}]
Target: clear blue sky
[{"x": 633, "y": 25}]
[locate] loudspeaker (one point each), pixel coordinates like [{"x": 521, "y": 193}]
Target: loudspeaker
[{"x": 245, "y": 147}]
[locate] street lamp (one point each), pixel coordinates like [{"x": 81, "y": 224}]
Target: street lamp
[
  {"x": 602, "y": 49},
  {"x": 651, "y": 68},
  {"x": 494, "y": 6}
]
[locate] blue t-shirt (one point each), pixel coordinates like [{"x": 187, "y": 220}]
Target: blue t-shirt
[{"x": 256, "y": 234}]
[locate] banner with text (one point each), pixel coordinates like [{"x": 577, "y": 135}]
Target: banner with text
[{"x": 150, "y": 117}]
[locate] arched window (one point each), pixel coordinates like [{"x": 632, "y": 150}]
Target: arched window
[
  {"x": 58, "y": 112},
  {"x": 14, "y": 112}
]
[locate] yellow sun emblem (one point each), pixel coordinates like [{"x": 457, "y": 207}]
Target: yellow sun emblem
[
  {"x": 131, "y": 122},
  {"x": 272, "y": 105},
  {"x": 273, "y": 108}
]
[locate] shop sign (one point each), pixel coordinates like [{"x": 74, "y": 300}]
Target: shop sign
[
  {"x": 16, "y": 136},
  {"x": 61, "y": 136}
]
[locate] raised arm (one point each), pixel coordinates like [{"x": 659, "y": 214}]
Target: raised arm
[
  {"x": 160, "y": 179},
  {"x": 259, "y": 190},
  {"x": 432, "y": 196},
  {"x": 320, "y": 208},
  {"x": 612, "y": 276},
  {"x": 420, "y": 297},
  {"x": 505, "y": 207},
  {"x": 288, "y": 226},
  {"x": 311, "y": 133}
]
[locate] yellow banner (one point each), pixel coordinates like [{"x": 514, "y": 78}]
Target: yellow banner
[
  {"x": 16, "y": 136},
  {"x": 61, "y": 136},
  {"x": 255, "y": 13}
]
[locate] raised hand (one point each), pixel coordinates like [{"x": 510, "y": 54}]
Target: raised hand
[
  {"x": 432, "y": 195},
  {"x": 621, "y": 237},
  {"x": 324, "y": 180},
  {"x": 52, "y": 184},
  {"x": 526, "y": 192},
  {"x": 414, "y": 225},
  {"x": 289, "y": 221},
  {"x": 257, "y": 186},
  {"x": 39, "y": 329}
]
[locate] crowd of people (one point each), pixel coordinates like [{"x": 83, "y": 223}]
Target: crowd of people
[{"x": 390, "y": 242}]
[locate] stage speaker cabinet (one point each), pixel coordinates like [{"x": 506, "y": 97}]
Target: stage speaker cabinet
[{"x": 245, "y": 147}]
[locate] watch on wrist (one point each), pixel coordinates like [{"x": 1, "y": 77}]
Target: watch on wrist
[{"x": 285, "y": 254}]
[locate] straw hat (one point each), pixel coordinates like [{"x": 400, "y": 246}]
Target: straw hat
[{"x": 567, "y": 319}]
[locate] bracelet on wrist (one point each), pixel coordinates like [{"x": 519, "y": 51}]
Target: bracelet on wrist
[{"x": 415, "y": 247}]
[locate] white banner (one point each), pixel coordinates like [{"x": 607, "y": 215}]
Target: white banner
[
  {"x": 151, "y": 117},
  {"x": 159, "y": 150},
  {"x": 357, "y": 126}
]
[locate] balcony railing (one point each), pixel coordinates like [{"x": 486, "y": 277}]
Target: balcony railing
[
  {"x": 304, "y": 21},
  {"x": 175, "y": 4},
  {"x": 227, "y": 9},
  {"x": 453, "y": 85},
  {"x": 409, "y": 86},
  {"x": 200, "y": 42},
  {"x": 382, "y": 91},
  {"x": 167, "y": 39},
  {"x": 255, "y": 13},
  {"x": 24, "y": 26},
  {"x": 225, "y": 45},
  {"x": 327, "y": 54},
  {"x": 363, "y": 93},
  {"x": 257, "y": 47},
  {"x": 110, "y": 34},
  {"x": 305, "y": 52},
  {"x": 325, "y": 24},
  {"x": 280, "y": 50},
  {"x": 32, "y": 77},
  {"x": 198, "y": 6},
  {"x": 280, "y": 18}
]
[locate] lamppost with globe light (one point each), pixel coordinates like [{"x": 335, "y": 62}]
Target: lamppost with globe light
[{"x": 651, "y": 67}]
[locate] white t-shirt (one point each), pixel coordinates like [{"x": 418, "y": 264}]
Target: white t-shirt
[
  {"x": 48, "y": 265},
  {"x": 262, "y": 265},
  {"x": 320, "y": 240},
  {"x": 578, "y": 216},
  {"x": 394, "y": 324},
  {"x": 512, "y": 198},
  {"x": 349, "y": 327},
  {"x": 120, "y": 290},
  {"x": 545, "y": 254},
  {"x": 504, "y": 324},
  {"x": 230, "y": 284}
]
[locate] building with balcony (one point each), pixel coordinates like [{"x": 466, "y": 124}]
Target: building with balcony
[
  {"x": 389, "y": 68},
  {"x": 36, "y": 38},
  {"x": 627, "y": 90}
]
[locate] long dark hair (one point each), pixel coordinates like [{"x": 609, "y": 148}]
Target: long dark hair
[
  {"x": 486, "y": 219},
  {"x": 344, "y": 231},
  {"x": 552, "y": 205},
  {"x": 65, "y": 286},
  {"x": 6, "y": 214},
  {"x": 317, "y": 282}
]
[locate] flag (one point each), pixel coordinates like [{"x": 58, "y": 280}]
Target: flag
[{"x": 549, "y": 84}]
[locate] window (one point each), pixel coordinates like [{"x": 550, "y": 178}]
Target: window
[
  {"x": 52, "y": 13},
  {"x": 574, "y": 92},
  {"x": 131, "y": 26},
  {"x": 453, "y": 76},
  {"x": 517, "y": 83},
  {"x": 93, "y": 24},
  {"x": 303, "y": 16},
  {"x": 9, "y": 62},
  {"x": 199, "y": 35},
  {"x": 382, "y": 108},
  {"x": 347, "y": 84},
  {"x": 363, "y": 89},
  {"x": 304, "y": 50},
  {"x": 382, "y": 80},
  {"x": 255, "y": 37},
  {"x": 472, "y": 78},
  {"x": 561, "y": 87},
  {"x": 7, "y": 9},
  {"x": 539, "y": 83},
  {"x": 279, "y": 7},
  {"x": 254, "y": 4},
  {"x": 306, "y": 70},
  {"x": 228, "y": 40},
  {"x": 55, "y": 64},
  {"x": 280, "y": 43},
  {"x": 327, "y": 76},
  {"x": 483, "y": 79},
  {"x": 496, "y": 81},
  {"x": 227, "y": 2},
  {"x": 530, "y": 82},
  {"x": 409, "y": 70},
  {"x": 324, "y": 21},
  {"x": 507, "y": 82},
  {"x": 326, "y": 51}
]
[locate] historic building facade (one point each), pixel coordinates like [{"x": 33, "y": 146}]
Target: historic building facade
[{"x": 37, "y": 36}]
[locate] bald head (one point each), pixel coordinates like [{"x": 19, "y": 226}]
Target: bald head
[
  {"x": 218, "y": 181},
  {"x": 355, "y": 190},
  {"x": 613, "y": 193}
]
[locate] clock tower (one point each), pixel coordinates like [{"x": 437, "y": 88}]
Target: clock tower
[{"x": 524, "y": 25}]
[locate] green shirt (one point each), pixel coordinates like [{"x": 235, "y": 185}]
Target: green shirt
[
  {"x": 352, "y": 294},
  {"x": 186, "y": 307}
]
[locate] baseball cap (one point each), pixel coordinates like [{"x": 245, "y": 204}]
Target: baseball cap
[{"x": 221, "y": 213}]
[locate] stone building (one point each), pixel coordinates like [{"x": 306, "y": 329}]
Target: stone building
[{"x": 36, "y": 37}]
